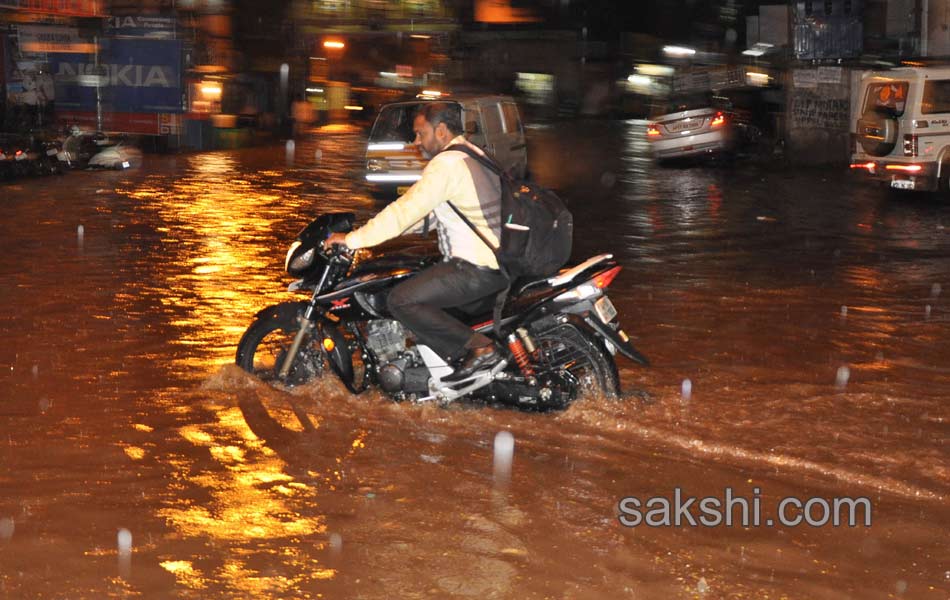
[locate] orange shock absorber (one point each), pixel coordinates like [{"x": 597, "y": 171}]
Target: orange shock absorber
[{"x": 521, "y": 355}]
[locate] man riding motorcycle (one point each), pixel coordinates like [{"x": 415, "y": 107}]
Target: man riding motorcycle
[{"x": 470, "y": 270}]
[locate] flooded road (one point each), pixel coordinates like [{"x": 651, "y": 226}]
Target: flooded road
[{"x": 797, "y": 323}]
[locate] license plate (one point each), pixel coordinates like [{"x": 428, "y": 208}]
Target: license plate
[
  {"x": 402, "y": 189},
  {"x": 605, "y": 310},
  {"x": 902, "y": 184},
  {"x": 682, "y": 125}
]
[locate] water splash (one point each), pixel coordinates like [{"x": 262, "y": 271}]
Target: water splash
[
  {"x": 124, "y": 544},
  {"x": 7, "y": 527},
  {"x": 686, "y": 390},
  {"x": 290, "y": 149},
  {"x": 124, "y": 541},
  {"x": 841, "y": 379},
  {"x": 844, "y": 311},
  {"x": 503, "y": 456},
  {"x": 336, "y": 543},
  {"x": 702, "y": 587}
]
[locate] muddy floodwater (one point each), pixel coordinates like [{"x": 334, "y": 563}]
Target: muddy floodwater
[{"x": 799, "y": 329}]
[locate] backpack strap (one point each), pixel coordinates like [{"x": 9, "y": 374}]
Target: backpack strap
[
  {"x": 483, "y": 159},
  {"x": 471, "y": 226},
  {"x": 502, "y": 296}
]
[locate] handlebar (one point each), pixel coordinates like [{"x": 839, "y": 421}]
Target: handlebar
[{"x": 337, "y": 252}]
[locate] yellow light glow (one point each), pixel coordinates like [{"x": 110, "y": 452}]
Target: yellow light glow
[
  {"x": 212, "y": 90},
  {"x": 328, "y": 344},
  {"x": 134, "y": 452},
  {"x": 334, "y": 44}
]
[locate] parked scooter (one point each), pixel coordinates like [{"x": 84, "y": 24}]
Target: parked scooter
[{"x": 82, "y": 150}]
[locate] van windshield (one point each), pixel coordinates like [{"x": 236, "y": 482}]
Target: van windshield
[
  {"x": 936, "y": 97},
  {"x": 394, "y": 123},
  {"x": 889, "y": 97}
]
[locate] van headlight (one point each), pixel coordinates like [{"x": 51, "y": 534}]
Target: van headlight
[{"x": 375, "y": 165}]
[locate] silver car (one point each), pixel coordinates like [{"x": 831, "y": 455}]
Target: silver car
[{"x": 689, "y": 126}]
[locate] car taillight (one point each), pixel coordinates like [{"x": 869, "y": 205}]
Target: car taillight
[
  {"x": 719, "y": 119},
  {"x": 652, "y": 130},
  {"x": 905, "y": 168},
  {"x": 910, "y": 144}
]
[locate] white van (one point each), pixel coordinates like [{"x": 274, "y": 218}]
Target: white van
[
  {"x": 902, "y": 130},
  {"x": 393, "y": 162}
]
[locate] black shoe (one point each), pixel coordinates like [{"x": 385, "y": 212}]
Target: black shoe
[{"x": 476, "y": 360}]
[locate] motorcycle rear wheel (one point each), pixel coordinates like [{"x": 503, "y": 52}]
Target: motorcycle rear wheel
[
  {"x": 566, "y": 348},
  {"x": 266, "y": 342}
]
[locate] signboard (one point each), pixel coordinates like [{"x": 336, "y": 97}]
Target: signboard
[
  {"x": 829, "y": 74},
  {"x": 42, "y": 39},
  {"x": 74, "y": 8},
  {"x": 805, "y": 78},
  {"x": 143, "y": 26},
  {"x": 135, "y": 75},
  {"x": 142, "y": 123}
]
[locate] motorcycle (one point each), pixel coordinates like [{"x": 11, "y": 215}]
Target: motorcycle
[
  {"x": 82, "y": 150},
  {"x": 558, "y": 335}
]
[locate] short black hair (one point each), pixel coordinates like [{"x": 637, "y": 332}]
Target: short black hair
[{"x": 443, "y": 112}]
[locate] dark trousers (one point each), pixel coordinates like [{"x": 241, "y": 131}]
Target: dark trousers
[{"x": 419, "y": 303}]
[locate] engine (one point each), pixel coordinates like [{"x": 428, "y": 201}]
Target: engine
[
  {"x": 386, "y": 338},
  {"x": 400, "y": 369}
]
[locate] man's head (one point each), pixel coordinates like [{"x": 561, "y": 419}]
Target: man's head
[{"x": 436, "y": 124}]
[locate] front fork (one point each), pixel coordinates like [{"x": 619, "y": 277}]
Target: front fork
[{"x": 306, "y": 326}]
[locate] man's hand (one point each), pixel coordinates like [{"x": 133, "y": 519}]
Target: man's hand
[{"x": 335, "y": 238}]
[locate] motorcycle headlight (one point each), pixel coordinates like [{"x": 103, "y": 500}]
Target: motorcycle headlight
[
  {"x": 303, "y": 261},
  {"x": 292, "y": 263}
]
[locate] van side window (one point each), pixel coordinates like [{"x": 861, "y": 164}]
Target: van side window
[
  {"x": 512, "y": 121},
  {"x": 492, "y": 119},
  {"x": 936, "y": 97},
  {"x": 472, "y": 120}
]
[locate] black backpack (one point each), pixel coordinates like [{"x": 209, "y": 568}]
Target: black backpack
[{"x": 537, "y": 230}]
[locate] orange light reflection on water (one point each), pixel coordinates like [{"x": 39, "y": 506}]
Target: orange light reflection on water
[
  {"x": 218, "y": 223},
  {"x": 248, "y": 506}
]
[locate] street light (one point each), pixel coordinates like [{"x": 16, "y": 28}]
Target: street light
[{"x": 333, "y": 44}]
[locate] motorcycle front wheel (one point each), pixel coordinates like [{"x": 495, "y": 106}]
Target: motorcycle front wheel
[
  {"x": 574, "y": 352},
  {"x": 265, "y": 344}
]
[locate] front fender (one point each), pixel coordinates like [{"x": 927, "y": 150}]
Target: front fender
[
  {"x": 341, "y": 357},
  {"x": 285, "y": 314}
]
